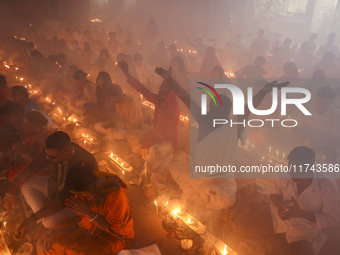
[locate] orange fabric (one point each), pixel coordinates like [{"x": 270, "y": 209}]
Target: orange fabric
[{"x": 86, "y": 238}]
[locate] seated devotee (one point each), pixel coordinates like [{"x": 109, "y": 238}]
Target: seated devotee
[
  {"x": 87, "y": 56},
  {"x": 113, "y": 44},
  {"x": 20, "y": 95},
  {"x": 86, "y": 92},
  {"x": 144, "y": 72},
  {"x": 312, "y": 42},
  {"x": 128, "y": 114},
  {"x": 212, "y": 193},
  {"x": 67, "y": 87},
  {"x": 198, "y": 44},
  {"x": 46, "y": 194},
  {"x": 286, "y": 50},
  {"x": 328, "y": 64},
  {"x": 11, "y": 131},
  {"x": 290, "y": 71},
  {"x": 105, "y": 224},
  {"x": 166, "y": 117},
  {"x": 4, "y": 90},
  {"x": 209, "y": 61},
  {"x": 35, "y": 134},
  {"x": 158, "y": 143},
  {"x": 304, "y": 58},
  {"x": 260, "y": 45},
  {"x": 320, "y": 131},
  {"x": 63, "y": 62},
  {"x": 179, "y": 73},
  {"x": 330, "y": 46},
  {"x": 218, "y": 73},
  {"x": 237, "y": 45},
  {"x": 104, "y": 62},
  {"x": 173, "y": 52},
  {"x": 102, "y": 109},
  {"x": 38, "y": 65},
  {"x": 304, "y": 204},
  {"x": 255, "y": 70},
  {"x": 159, "y": 56},
  {"x": 86, "y": 88}
]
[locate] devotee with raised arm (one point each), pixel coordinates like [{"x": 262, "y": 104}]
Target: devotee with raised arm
[
  {"x": 209, "y": 190},
  {"x": 157, "y": 145}
]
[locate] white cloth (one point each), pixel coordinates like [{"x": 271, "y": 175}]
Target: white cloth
[
  {"x": 149, "y": 250},
  {"x": 321, "y": 198},
  {"x": 35, "y": 192},
  {"x": 219, "y": 191},
  {"x": 218, "y": 147}
]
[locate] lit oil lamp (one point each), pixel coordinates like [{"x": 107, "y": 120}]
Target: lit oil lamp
[
  {"x": 157, "y": 209},
  {"x": 120, "y": 162},
  {"x": 192, "y": 222}
]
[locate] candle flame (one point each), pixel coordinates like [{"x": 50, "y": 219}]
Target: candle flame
[
  {"x": 225, "y": 252},
  {"x": 175, "y": 211}
]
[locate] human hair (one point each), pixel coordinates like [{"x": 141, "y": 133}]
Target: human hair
[
  {"x": 179, "y": 62},
  {"x": 105, "y": 77},
  {"x": 302, "y": 155},
  {"x": 172, "y": 47},
  {"x": 84, "y": 177},
  {"x": 79, "y": 75},
  {"x": 105, "y": 52},
  {"x": 21, "y": 90},
  {"x": 59, "y": 140},
  {"x": 36, "y": 118}
]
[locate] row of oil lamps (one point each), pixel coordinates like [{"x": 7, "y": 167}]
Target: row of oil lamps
[
  {"x": 175, "y": 212},
  {"x": 58, "y": 115}
]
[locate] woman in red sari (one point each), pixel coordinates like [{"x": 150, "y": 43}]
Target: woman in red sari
[{"x": 105, "y": 223}]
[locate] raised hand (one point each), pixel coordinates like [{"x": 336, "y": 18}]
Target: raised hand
[
  {"x": 269, "y": 86},
  {"x": 124, "y": 67},
  {"x": 162, "y": 72}
]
